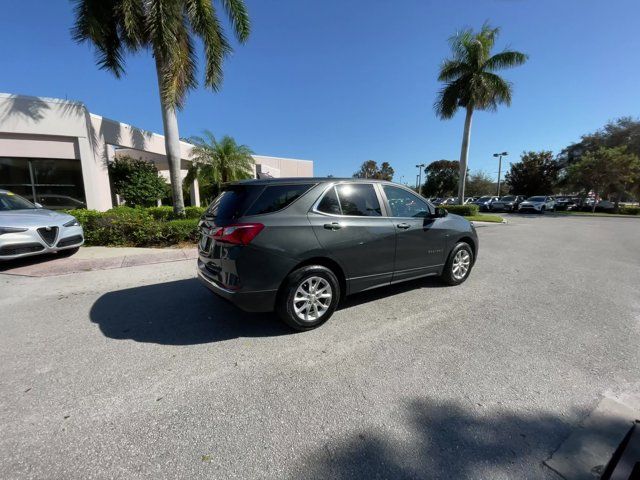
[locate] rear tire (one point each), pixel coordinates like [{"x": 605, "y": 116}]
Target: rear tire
[
  {"x": 459, "y": 264},
  {"x": 308, "y": 297}
]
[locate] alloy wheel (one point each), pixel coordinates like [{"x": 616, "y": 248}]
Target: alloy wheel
[
  {"x": 312, "y": 299},
  {"x": 461, "y": 264}
]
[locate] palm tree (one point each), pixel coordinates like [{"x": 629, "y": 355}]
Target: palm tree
[
  {"x": 470, "y": 82},
  {"x": 221, "y": 161},
  {"x": 168, "y": 29}
]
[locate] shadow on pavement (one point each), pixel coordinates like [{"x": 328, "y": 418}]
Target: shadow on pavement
[
  {"x": 184, "y": 312},
  {"x": 384, "y": 292},
  {"x": 448, "y": 440},
  {"x": 178, "y": 313},
  {"x": 28, "y": 261}
]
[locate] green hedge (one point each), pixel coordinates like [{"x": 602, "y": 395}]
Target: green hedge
[
  {"x": 137, "y": 227},
  {"x": 628, "y": 210},
  {"x": 166, "y": 213},
  {"x": 464, "y": 210}
]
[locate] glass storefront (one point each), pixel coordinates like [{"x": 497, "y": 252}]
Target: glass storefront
[{"x": 56, "y": 184}]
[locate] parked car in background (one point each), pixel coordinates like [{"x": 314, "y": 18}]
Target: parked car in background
[
  {"x": 297, "y": 246},
  {"x": 436, "y": 201},
  {"x": 484, "y": 203},
  {"x": 605, "y": 206},
  {"x": 60, "y": 202},
  {"x": 26, "y": 229},
  {"x": 566, "y": 203},
  {"x": 507, "y": 203},
  {"x": 537, "y": 204},
  {"x": 454, "y": 201}
]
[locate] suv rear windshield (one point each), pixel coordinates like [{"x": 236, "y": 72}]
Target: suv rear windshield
[
  {"x": 277, "y": 197},
  {"x": 238, "y": 200}
]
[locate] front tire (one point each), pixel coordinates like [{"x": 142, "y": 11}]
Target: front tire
[
  {"x": 308, "y": 298},
  {"x": 459, "y": 264}
]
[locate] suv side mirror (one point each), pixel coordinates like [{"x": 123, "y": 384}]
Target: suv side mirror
[{"x": 439, "y": 213}]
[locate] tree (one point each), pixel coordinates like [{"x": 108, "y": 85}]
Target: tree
[
  {"x": 470, "y": 82},
  {"x": 386, "y": 172},
  {"x": 137, "y": 181},
  {"x": 605, "y": 171},
  {"x": 369, "y": 169},
  {"x": 441, "y": 178},
  {"x": 535, "y": 174},
  {"x": 623, "y": 132},
  {"x": 168, "y": 29},
  {"x": 216, "y": 162},
  {"x": 480, "y": 184}
]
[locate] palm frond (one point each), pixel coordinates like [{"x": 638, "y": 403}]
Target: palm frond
[
  {"x": 239, "y": 17},
  {"x": 468, "y": 77},
  {"x": 97, "y": 22},
  {"x": 452, "y": 69},
  {"x": 448, "y": 99},
  {"x": 505, "y": 59}
]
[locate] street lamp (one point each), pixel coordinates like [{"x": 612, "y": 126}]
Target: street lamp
[
  {"x": 499, "y": 155},
  {"x": 420, "y": 167}
]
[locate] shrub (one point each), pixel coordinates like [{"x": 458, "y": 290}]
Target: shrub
[
  {"x": 464, "y": 210},
  {"x": 176, "y": 231},
  {"x": 194, "y": 212},
  {"x": 137, "y": 227},
  {"x": 137, "y": 181},
  {"x": 161, "y": 213},
  {"x": 629, "y": 210}
]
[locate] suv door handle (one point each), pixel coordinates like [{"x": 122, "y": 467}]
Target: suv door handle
[
  {"x": 403, "y": 226},
  {"x": 332, "y": 226}
]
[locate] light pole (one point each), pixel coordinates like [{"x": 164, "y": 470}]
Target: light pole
[
  {"x": 419, "y": 167},
  {"x": 499, "y": 155}
]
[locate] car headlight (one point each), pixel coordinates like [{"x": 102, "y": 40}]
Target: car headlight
[
  {"x": 4, "y": 230},
  {"x": 72, "y": 223}
]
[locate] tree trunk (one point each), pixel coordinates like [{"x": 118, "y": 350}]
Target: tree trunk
[
  {"x": 172, "y": 145},
  {"x": 464, "y": 153}
]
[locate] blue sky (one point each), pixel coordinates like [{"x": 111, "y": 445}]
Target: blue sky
[{"x": 342, "y": 81}]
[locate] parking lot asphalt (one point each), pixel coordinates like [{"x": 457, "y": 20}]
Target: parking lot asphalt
[{"x": 142, "y": 373}]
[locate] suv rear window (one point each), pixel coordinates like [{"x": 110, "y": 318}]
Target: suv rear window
[
  {"x": 277, "y": 197},
  {"x": 233, "y": 202},
  {"x": 239, "y": 200}
]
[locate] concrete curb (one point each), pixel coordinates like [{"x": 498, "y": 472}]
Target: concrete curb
[
  {"x": 585, "y": 454},
  {"x": 64, "y": 266}
]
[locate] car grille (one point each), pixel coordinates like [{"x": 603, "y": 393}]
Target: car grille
[
  {"x": 10, "y": 250},
  {"x": 65, "y": 242},
  {"x": 48, "y": 234}
]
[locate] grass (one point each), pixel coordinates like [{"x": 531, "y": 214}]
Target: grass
[
  {"x": 595, "y": 214},
  {"x": 485, "y": 218}
]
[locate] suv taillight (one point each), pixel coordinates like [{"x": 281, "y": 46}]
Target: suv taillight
[{"x": 238, "y": 233}]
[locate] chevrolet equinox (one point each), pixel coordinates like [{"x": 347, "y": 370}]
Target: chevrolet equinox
[{"x": 297, "y": 246}]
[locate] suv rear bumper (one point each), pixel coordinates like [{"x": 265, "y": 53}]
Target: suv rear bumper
[{"x": 257, "y": 301}]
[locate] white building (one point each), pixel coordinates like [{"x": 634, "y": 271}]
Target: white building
[{"x": 56, "y": 152}]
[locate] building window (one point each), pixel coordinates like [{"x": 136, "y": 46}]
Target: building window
[{"x": 56, "y": 184}]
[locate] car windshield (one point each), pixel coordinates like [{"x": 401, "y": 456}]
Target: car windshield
[
  {"x": 508, "y": 198},
  {"x": 11, "y": 201},
  {"x": 483, "y": 199},
  {"x": 536, "y": 199}
]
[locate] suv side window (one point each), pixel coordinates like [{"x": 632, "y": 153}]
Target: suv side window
[
  {"x": 330, "y": 203},
  {"x": 277, "y": 197},
  {"x": 405, "y": 204},
  {"x": 359, "y": 199}
]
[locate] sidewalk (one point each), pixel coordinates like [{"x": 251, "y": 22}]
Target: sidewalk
[{"x": 95, "y": 258}]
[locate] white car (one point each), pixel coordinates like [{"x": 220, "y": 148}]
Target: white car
[
  {"x": 538, "y": 204},
  {"x": 28, "y": 229}
]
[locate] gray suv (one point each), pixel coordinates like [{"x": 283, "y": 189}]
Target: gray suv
[{"x": 297, "y": 246}]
